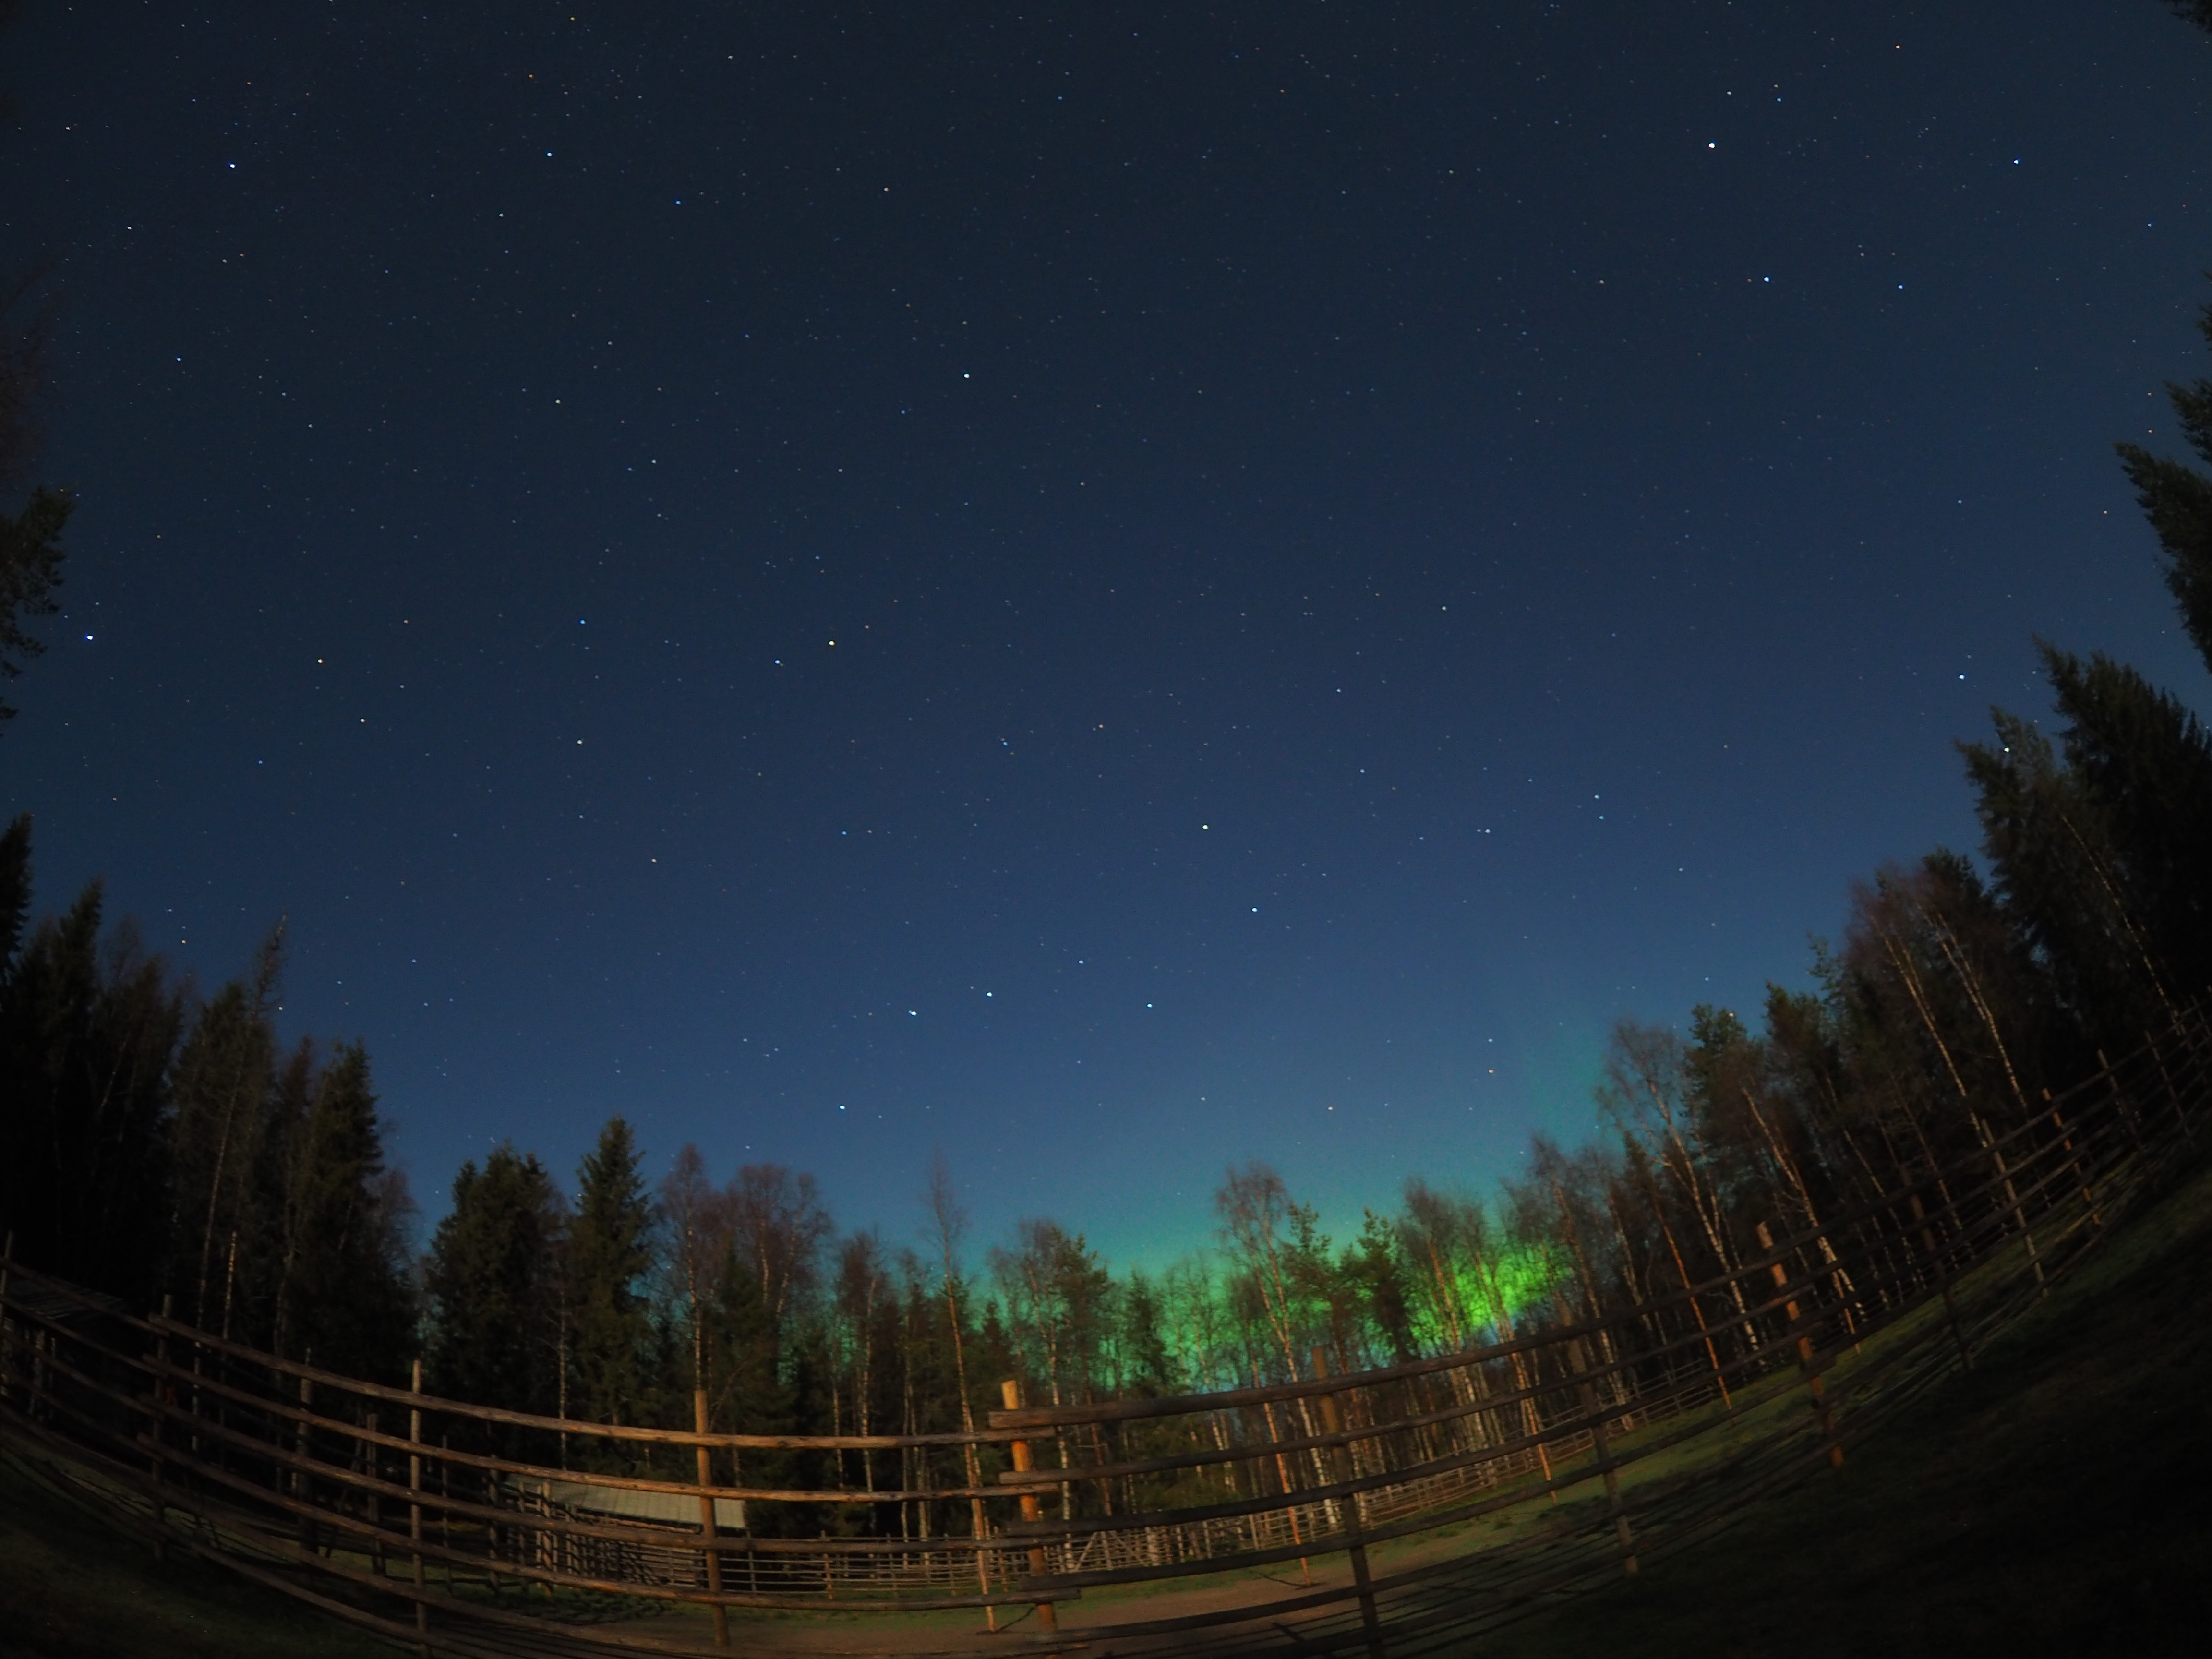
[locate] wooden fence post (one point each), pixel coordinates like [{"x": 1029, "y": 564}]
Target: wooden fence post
[
  {"x": 1032, "y": 1510},
  {"x": 1282, "y": 1475},
  {"x": 1603, "y": 1450},
  {"x": 415, "y": 1506},
  {"x": 156, "y": 1426},
  {"x": 1942, "y": 1282},
  {"x": 2173, "y": 1094},
  {"x": 199, "y": 1361},
  {"x": 367, "y": 1458},
  {"x": 707, "y": 1522},
  {"x": 2081, "y": 1181},
  {"x": 7, "y": 1347},
  {"x": 302, "y": 1488},
  {"x": 445, "y": 1503},
  {"x": 2120, "y": 1101},
  {"x": 1332, "y": 1420},
  {"x": 1813, "y": 1384},
  {"x": 2012, "y": 1197}
]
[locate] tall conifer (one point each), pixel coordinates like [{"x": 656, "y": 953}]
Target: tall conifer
[
  {"x": 222, "y": 1084},
  {"x": 2177, "y": 499},
  {"x": 492, "y": 1282},
  {"x": 88, "y": 1026},
  {"x": 610, "y": 1252},
  {"x": 2146, "y": 761},
  {"x": 14, "y": 888},
  {"x": 344, "y": 1295}
]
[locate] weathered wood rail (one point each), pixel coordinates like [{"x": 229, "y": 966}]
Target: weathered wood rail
[{"x": 1388, "y": 1511}]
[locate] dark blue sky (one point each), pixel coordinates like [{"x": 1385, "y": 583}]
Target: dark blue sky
[{"x": 1109, "y": 589}]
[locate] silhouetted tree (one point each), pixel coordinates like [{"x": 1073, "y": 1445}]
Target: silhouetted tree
[
  {"x": 699, "y": 1237},
  {"x": 14, "y": 887},
  {"x": 610, "y": 1245},
  {"x": 30, "y": 570},
  {"x": 778, "y": 1225},
  {"x": 2145, "y": 763},
  {"x": 343, "y": 1288},
  {"x": 88, "y": 1027},
  {"x": 1144, "y": 1367},
  {"x": 2198, "y": 12},
  {"x": 223, "y": 1080},
  {"x": 492, "y": 1285},
  {"x": 1375, "y": 1270},
  {"x": 31, "y": 533},
  {"x": 2177, "y": 499}
]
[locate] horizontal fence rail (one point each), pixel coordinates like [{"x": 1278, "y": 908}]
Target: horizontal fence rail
[{"x": 1385, "y": 1512}]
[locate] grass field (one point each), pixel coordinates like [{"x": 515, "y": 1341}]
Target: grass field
[
  {"x": 2057, "y": 1500},
  {"x": 73, "y": 1588}
]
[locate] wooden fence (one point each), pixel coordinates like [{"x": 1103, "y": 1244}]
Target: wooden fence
[{"x": 1393, "y": 1511}]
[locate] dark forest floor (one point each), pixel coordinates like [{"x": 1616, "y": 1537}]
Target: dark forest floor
[{"x": 2057, "y": 1500}]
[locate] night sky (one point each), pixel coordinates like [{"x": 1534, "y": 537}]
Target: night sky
[{"x": 1104, "y": 589}]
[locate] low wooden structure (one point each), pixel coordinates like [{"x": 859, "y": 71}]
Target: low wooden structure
[{"x": 1388, "y": 1512}]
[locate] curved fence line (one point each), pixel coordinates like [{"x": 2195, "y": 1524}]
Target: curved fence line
[{"x": 1394, "y": 1510}]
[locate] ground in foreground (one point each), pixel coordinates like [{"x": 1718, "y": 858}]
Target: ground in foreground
[{"x": 2056, "y": 1500}]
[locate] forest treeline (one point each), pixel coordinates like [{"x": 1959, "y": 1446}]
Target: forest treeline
[{"x": 157, "y": 1143}]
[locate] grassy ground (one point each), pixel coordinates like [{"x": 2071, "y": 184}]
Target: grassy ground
[
  {"x": 2058, "y": 1500},
  {"x": 73, "y": 1588}
]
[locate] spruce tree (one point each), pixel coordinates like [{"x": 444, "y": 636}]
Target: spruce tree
[
  {"x": 88, "y": 1027},
  {"x": 14, "y": 888},
  {"x": 223, "y": 1079},
  {"x": 1145, "y": 1369},
  {"x": 1374, "y": 1264},
  {"x": 610, "y": 1255},
  {"x": 31, "y": 537},
  {"x": 2146, "y": 761},
  {"x": 2177, "y": 499},
  {"x": 491, "y": 1282},
  {"x": 2056, "y": 873},
  {"x": 2100, "y": 859},
  {"x": 344, "y": 1293},
  {"x": 749, "y": 1392},
  {"x": 30, "y": 571}
]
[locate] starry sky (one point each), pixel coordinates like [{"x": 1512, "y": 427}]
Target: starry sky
[{"x": 1102, "y": 589}]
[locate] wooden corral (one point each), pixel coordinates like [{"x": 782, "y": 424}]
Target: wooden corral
[{"x": 1392, "y": 1511}]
